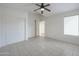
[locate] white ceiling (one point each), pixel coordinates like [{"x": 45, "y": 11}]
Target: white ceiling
[{"x": 55, "y": 8}]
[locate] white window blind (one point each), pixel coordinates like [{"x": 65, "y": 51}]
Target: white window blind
[{"x": 71, "y": 25}]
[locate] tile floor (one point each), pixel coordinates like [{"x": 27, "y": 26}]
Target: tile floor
[{"x": 40, "y": 47}]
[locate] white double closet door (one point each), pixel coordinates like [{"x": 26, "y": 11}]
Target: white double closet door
[{"x": 11, "y": 27}]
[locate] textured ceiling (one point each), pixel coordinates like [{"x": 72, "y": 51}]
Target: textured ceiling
[{"x": 55, "y": 8}]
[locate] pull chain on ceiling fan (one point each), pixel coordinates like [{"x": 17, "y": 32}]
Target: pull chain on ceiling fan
[{"x": 42, "y": 7}]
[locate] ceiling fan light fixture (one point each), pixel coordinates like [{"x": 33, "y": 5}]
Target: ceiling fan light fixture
[{"x": 42, "y": 9}]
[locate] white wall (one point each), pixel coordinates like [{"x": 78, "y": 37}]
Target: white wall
[
  {"x": 55, "y": 27},
  {"x": 15, "y": 25}
]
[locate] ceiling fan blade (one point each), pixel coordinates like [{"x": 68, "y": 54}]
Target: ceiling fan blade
[
  {"x": 47, "y": 5},
  {"x": 47, "y": 9},
  {"x": 37, "y": 9},
  {"x": 41, "y": 12},
  {"x": 38, "y": 5},
  {"x": 42, "y": 4}
]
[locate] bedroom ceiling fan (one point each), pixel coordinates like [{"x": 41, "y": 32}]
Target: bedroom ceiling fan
[{"x": 42, "y": 7}]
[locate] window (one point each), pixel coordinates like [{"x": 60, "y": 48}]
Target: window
[{"x": 71, "y": 25}]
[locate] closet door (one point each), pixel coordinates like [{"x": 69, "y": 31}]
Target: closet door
[
  {"x": 15, "y": 30},
  {"x": 2, "y": 27},
  {"x": 14, "y": 27}
]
